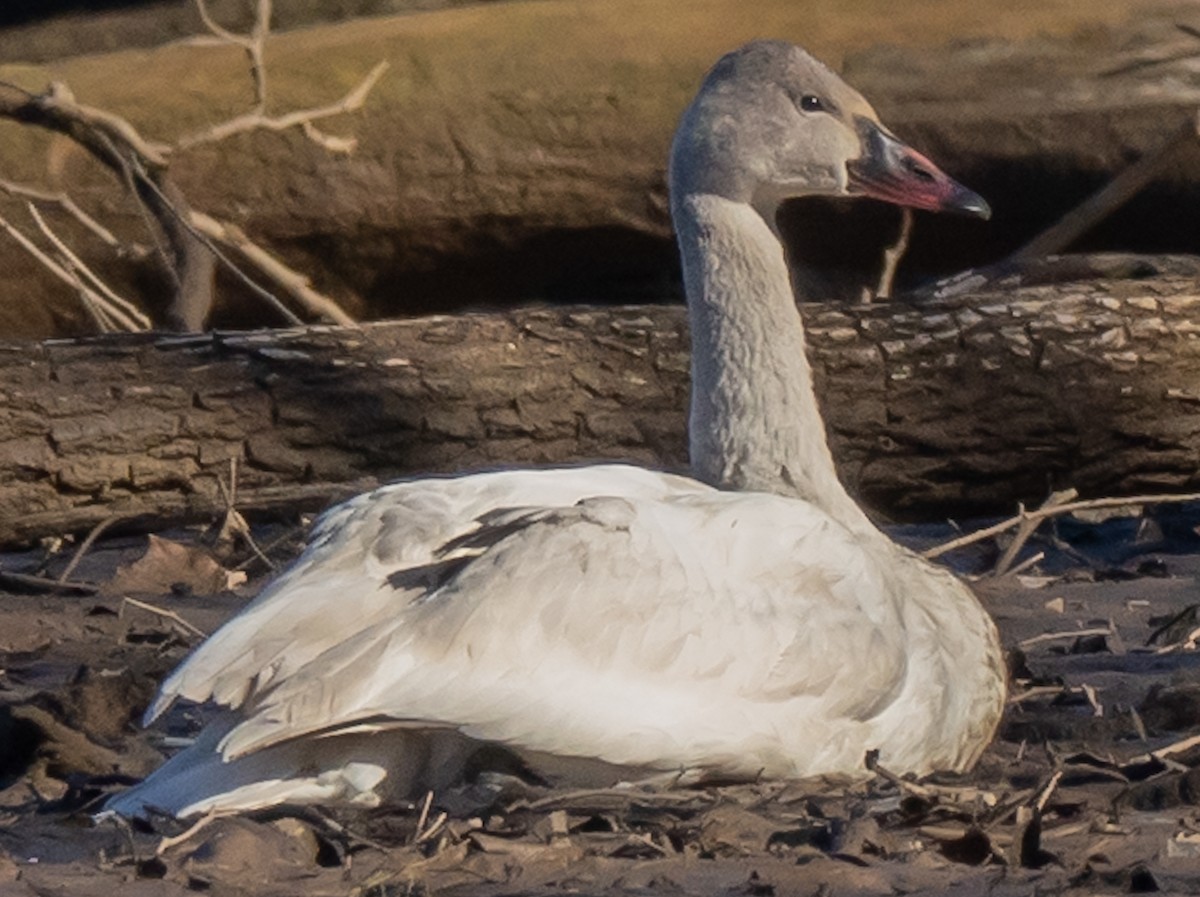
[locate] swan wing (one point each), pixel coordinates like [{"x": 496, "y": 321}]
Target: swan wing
[
  {"x": 701, "y": 628},
  {"x": 337, "y": 588}
]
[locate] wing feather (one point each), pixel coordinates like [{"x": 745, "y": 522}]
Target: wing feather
[
  {"x": 345, "y": 584},
  {"x": 574, "y": 627}
]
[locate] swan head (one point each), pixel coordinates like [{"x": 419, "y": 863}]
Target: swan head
[{"x": 771, "y": 123}]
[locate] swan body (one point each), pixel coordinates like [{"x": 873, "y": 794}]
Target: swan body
[{"x": 607, "y": 622}]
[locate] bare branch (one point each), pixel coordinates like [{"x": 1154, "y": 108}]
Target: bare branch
[
  {"x": 1110, "y": 197},
  {"x": 1069, "y": 635},
  {"x": 117, "y": 144},
  {"x": 254, "y": 44},
  {"x": 93, "y": 303},
  {"x": 211, "y": 24},
  {"x": 892, "y": 256},
  {"x": 296, "y": 284},
  {"x": 1027, "y": 528},
  {"x": 64, "y": 202},
  {"x": 1056, "y": 511},
  {"x": 61, "y": 100},
  {"x": 256, "y": 121},
  {"x": 166, "y": 614},
  {"x": 125, "y": 313},
  {"x": 183, "y": 218}
]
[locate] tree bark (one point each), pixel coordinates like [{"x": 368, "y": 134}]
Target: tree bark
[{"x": 957, "y": 406}]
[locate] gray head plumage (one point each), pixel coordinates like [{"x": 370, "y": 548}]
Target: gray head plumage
[{"x": 771, "y": 122}]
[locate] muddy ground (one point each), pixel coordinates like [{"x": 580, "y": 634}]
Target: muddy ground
[{"x": 1092, "y": 786}]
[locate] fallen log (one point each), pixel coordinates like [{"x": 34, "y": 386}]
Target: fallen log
[{"x": 960, "y": 405}]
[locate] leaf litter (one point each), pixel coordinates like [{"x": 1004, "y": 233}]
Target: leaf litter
[{"x": 1091, "y": 786}]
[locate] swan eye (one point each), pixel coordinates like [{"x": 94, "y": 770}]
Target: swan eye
[{"x": 810, "y": 103}]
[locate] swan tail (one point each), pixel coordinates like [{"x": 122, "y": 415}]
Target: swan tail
[{"x": 360, "y": 769}]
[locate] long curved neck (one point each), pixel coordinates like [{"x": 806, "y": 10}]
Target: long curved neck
[{"x": 755, "y": 424}]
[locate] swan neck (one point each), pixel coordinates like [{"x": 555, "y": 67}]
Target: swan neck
[{"x": 755, "y": 424}]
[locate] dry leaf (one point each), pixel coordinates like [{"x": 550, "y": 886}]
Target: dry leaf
[{"x": 170, "y": 566}]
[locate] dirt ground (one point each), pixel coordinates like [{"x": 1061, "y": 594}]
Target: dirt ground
[{"x": 1093, "y": 784}]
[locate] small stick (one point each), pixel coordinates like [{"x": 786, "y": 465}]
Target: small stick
[
  {"x": 124, "y": 311},
  {"x": 203, "y": 822},
  {"x": 87, "y": 543},
  {"x": 1177, "y": 748},
  {"x": 892, "y": 256},
  {"x": 64, "y": 202},
  {"x": 1028, "y": 562},
  {"x": 1043, "y": 797},
  {"x": 1188, "y": 643},
  {"x": 1138, "y": 725},
  {"x": 234, "y": 522},
  {"x": 1056, "y": 511},
  {"x": 292, "y": 281},
  {"x": 163, "y": 612},
  {"x": 873, "y": 765},
  {"x": 424, "y": 836},
  {"x": 1090, "y": 692},
  {"x": 262, "y": 552},
  {"x": 424, "y": 813},
  {"x": 86, "y": 294},
  {"x": 258, "y": 121},
  {"x": 254, "y": 44},
  {"x": 337, "y": 828},
  {"x": 1061, "y": 636},
  {"x": 1042, "y": 691},
  {"x": 190, "y": 223},
  {"x": 1108, "y": 198},
  {"x": 1028, "y": 527}
]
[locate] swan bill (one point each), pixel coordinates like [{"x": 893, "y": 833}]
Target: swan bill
[{"x": 894, "y": 172}]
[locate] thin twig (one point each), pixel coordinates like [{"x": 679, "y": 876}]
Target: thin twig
[
  {"x": 254, "y": 44},
  {"x": 424, "y": 815},
  {"x": 1027, "y": 563},
  {"x": 234, "y": 523},
  {"x": 168, "y": 614},
  {"x": 1062, "y": 636},
  {"x": 274, "y": 543},
  {"x": 1110, "y": 197},
  {"x": 68, "y": 205},
  {"x": 433, "y": 829},
  {"x": 259, "y": 121},
  {"x": 1056, "y": 511},
  {"x": 1027, "y": 528},
  {"x": 91, "y": 300},
  {"x": 1163, "y": 753},
  {"x": 1043, "y": 798},
  {"x": 87, "y": 543},
  {"x": 337, "y": 828},
  {"x": 1187, "y": 643},
  {"x": 124, "y": 312},
  {"x": 1043, "y": 691},
  {"x": 62, "y": 100},
  {"x": 203, "y": 822},
  {"x": 903, "y": 784},
  {"x": 1090, "y": 693},
  {"x": 189, "y": 222},
  {"x": 297, "y": 285},
  {"x": 892, "y": 256}
]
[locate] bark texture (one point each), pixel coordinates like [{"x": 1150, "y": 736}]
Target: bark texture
[{"x": 956, "y": 406}]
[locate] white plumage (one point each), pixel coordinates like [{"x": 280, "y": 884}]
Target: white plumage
[{"x": 609, "y": 622}]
